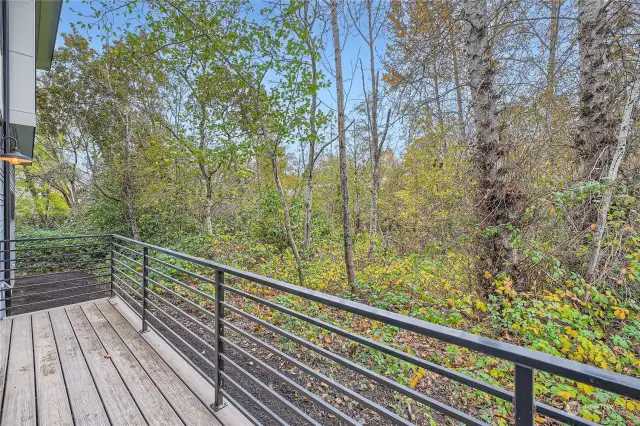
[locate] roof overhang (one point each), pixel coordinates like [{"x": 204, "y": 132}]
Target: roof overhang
[{"x": 47, "y": 18}]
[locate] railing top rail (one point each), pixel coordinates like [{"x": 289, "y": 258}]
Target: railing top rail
[
  {"x": 71, "y": 237},
  {"x": 603, "y": 379}
]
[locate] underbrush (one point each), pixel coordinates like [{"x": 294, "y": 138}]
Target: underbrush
[
  {"x": 579, "y": 321},
  {"x": 597, "y": 324}
]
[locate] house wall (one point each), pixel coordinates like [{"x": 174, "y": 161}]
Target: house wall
[
  {"x": 20, "y": 16},
  {"x": 2, "y": 197}
]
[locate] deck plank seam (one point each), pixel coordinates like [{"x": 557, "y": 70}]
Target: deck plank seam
[
  {"x": 33, "y": 360},
  {"x": 177, "y": 375},
  {"x": 179, "y": 353},
  {"x": 115, "y": 367},
  {"x": 190, "y": 363},
  {"x": 88, "y": 367},
  {"x": 178, "y": 413},
  {"x": 6, "y": 369},
  {"x": 64, "y": 378},
  {"x": 140, "y": 363}
]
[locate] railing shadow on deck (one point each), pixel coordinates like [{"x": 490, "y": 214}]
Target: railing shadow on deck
[{"x": 218, "y": 319}]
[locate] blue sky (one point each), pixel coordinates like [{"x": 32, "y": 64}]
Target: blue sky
[{"x": 354, "y": 48}]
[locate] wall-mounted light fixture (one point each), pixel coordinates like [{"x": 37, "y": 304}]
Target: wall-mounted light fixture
[{"x": 14, "y": 156}]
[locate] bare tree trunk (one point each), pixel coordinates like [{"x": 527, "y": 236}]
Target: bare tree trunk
[
  {"x": 442, "y": 151},
  {"x": 597, "y": 123},
  {"x": 493, "y": 203},
  {"x": 208, "y": 205},
  {"x": 456, "y": 78},
  {"x": 553, "y": 46},
  {"x": 373, "y": 129},
  {"x": 312, "y": 154},
  {"x": 612, "y": 175},
  {"x": 206, "y": 175},
  {"x": 128, "y": 181},
  {"x": 357, "y": 190},
  {"x": 436, "y": 90},
  {"x": 287, "y": 217},
  {"x": 344, "y": 186}
]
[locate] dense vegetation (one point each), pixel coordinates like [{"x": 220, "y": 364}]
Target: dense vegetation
[{"x": 473, "y": 164}]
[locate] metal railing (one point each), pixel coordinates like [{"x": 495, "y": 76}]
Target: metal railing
[
  {"x": 247, "y": 345},
  {"x": 49, "y": 272}
]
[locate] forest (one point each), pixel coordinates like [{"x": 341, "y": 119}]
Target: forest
[{"x": 470, "y": 163}]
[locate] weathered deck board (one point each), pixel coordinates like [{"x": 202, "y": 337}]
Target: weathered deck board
[
  {"x": 118, "y": 402},
  {"x": 53, "y": 371},
  {"x": 194, "y": 381},
  {"x": 53, "y": 403},
  {"x": 151, "y": 401},
  {"x": 85, "y": 402},
  {"x": 187, "y": 405},
  {"x": 20, "y": 391},
  {"x": 5, "y": 339}
]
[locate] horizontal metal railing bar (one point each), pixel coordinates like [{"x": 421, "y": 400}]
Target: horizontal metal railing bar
[
  {"x": 299, "y": 413},
  {"x": 167, "y": 341},
  {"x": 61, "y": 281},
  {"x": 28, "y": 268},
  {"x": 185, "y": 328},
  {"x": 127, "y": 248},
  {"x": 135, "y": 262},
  {"x": 51, "y": 291},
  {"x": 133, "y": 290},
  {"x": 184, "y": 299},
  {"x": 154, "y": 316},
  {"x": 80, "y": 253},
  {"x": 443, "y": 371},
  {"x": 417, "y": 396},
  {"x": 53, "y": 300},
  {"x": 132, "y": 279},
  {"x": 240, "y": 408},
  {"x": 71, "y": 237},
  {"x": 563, "y": 416},
  {"x": 184, "y": 271},
  {"x": 181, "y": 311},
  {"x": 180, "y": 283},
  {"x": 49, "y": 274},
  {"x": 315, "y": 398},
  {"x": 255, "y": 400},
  {"x": 603, "y": 379},
  {"x": 384, "y": 412},
  {"x": 127, "y": 266},
  {"x": 120, "y": 280},
  {"x": 194, "y": 350},
  {"x": 184, "y": 342},
  {"x": 300, "y": 389},
  {"x": 54, "y": 247}
]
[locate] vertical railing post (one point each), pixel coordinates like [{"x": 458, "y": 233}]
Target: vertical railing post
[
  {"x": 112, "y": 265},
  {"x": 524, "y": 396},
  {"x": 219, "y": 328},
  {"x": 145, "y": 288}
]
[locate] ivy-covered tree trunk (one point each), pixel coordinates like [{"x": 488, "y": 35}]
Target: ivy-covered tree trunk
[
  {"x": 597, "y": 122},
  {"x": 496, "y": 252}
]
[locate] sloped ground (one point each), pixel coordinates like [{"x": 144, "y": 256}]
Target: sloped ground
[{"x": 43, "y": 292}]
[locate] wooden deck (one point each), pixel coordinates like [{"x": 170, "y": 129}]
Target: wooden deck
[{"x": 87, "y": 364}]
